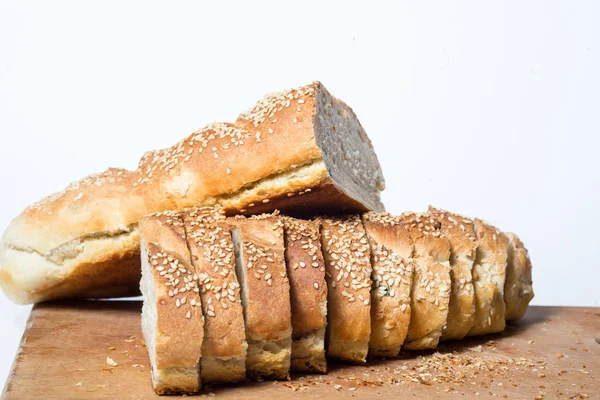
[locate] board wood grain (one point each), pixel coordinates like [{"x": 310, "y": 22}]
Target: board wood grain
[{"x": 553, "y": 352}]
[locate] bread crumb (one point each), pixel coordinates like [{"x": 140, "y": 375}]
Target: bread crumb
[
  {"x": 111, "y": 362},
  {"x": 559, "y": 355}
]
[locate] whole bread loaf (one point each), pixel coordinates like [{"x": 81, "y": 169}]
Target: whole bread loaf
[{"x": 300, "y": 151}]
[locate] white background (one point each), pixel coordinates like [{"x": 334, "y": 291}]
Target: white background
[{"x": 488, "y": 109}]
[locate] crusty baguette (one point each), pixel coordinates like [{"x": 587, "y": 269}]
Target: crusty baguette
[
  {"x": 83, "y": 242},
  {"x": 431, "y": 284},
  {"x": 265, "y": 290},
  {"x": 392, "y": 282},
  {"x": 463, "y": 246},
  {"x": 308, "y": 294},
  {"x": 518, "y": 289},
  {"x": 211, "y": 248},
  {"x": 348, "y": 273},
  {"x": 172, "y": 319},
  {"x": 489, "y": 275}
]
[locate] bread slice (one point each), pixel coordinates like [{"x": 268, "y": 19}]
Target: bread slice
[
  {"x": 489, "y": 275},
  {"x": 83, "y": 242},
  {"x": 392, "y": 281},
  {"x": 348, "y": 273},
  {"x": 265, "y": 290},
  {"x": 172, "y": 321},
  {"x": 518, "y": 289},
  {"x": 430, "y": 293},
  {"x": 308, "y": 294},
  {"x": 211, "y": 248},
  {"x": 463, "y": 247}
]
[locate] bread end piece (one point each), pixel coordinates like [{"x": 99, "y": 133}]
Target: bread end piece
[{"x": 518, "y": 289}]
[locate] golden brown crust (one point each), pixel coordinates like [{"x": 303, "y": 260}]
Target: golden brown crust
[
  {"x": 306, "y": 272},
  {"x": 348, "y": 271},
  {"x": 211, "y": 249},
  {"x": 463, "y": 245},
  {"x": 392, "y": 280},
  {"x": 518, "y": 289},
  {"x": 431, "y": 284},
  {"x": 268, "y": 313},
  {"x": 489, "y": 275},
  {"x": 308, "y": 289},
  {"x": 252, "y": 169},
  {"x": 179, "y": 324}
]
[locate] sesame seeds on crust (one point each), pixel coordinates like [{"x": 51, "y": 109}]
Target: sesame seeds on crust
[
  {"x": 390, "y": 272},
  {"x": 113, "y": 176},
  {"x": 211, "y": 141},
  {"x": 210, "y": 240},
  {"x": 272, "y": 103},
  {"x": 175, "y": 274},
  {"x": 349, "y": 265}
]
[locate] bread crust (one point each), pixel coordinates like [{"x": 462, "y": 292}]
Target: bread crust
[
  {"x": 463, "y": 246},
  {"x": 253, "y": 170},
  {"x": 518, "y": 289},
  {"x": 211, "y": 248},
  {"x": 179, "y": 320},
  {"x": 392, "y": 281},
  {"x": 489, "y": 275},
  {"x": 308, "y": 293},
  {"x": 267, "y": 311},
  {"x": 430, "y": 293},
  {"x": 348, "y": 273}
]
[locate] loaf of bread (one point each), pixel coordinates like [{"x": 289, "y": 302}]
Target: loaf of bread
[
  {"x": 308, "y": 294},
  {"x": 463, "y": 246},
  {"x": 84, "y": 241},
  {"x": 265, "y": 290},
  {"x": 392, "y": 282},
  {"x": 275, "y": 291},
  {"x": 489, "y": 275},
  {"x": 518, "y": 289},
  {"x": 172, "y": 321},
  {"x": 211, "y": 250},
  {"x": 348, "y": 268},
  {"x": 431, "y": 285}
]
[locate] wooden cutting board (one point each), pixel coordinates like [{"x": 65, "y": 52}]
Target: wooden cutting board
[{"x": 553, "y": 352}]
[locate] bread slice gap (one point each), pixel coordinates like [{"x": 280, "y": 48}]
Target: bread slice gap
[
  {"x": 463, "y": 247},
  {"x": 430, "y": 292},
  {"x": 348, "y": 274},
  {"x": 392, "y": 281},
  {"x": 489, "y": 276},
  {"x": 518, "y": 289},
  {"x": 211, "y": 248},
  {"x": 265, "y": 293},
  {"x": 172, "y": 321},
  {"x": 308, "y": 294}
]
